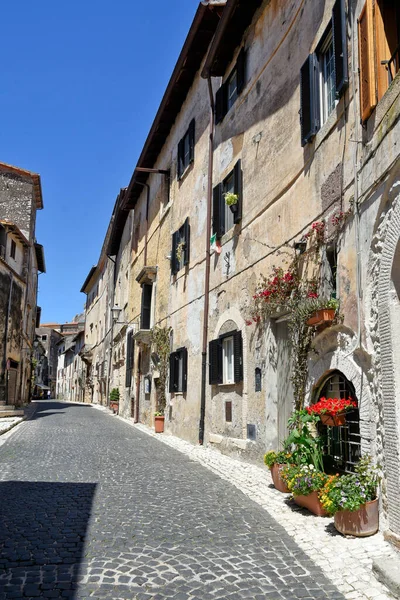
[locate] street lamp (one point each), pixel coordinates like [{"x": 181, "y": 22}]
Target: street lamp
[{"x": 115, "y": 312}]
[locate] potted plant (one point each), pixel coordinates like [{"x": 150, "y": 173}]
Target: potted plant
[
  {"x": 179, "y": 249},
  {"x": 324, "y": 312},
  {"x": 275, "y": 462},
  {"x": 353, "y": 501},
  {"x": 159, "y": 421},
  {"x": 306, "y": 482},
  {"x": 332, "y": 411},
  {"x": 114, "y": 400},
  {"x": 231, "y": 200}
]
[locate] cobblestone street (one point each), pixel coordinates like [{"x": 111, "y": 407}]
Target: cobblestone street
[{"x": 93, "y": 507}]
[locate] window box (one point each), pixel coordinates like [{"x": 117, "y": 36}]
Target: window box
[{"x": 325, "y": 315}]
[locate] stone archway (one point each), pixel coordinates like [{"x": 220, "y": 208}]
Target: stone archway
[{"x": 384, "y": 270}]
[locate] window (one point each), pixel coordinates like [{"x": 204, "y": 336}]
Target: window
[
  {"x": 225, "y": 359},
  {"x": 224, "y": 216},
  {"x": 180, "y": 253},
  {"x": 13, "y": 249},
  {"x": 186, "y": 150},
  {"x": 379, "y": 58},
  {"x": 229, "y": 91},
  {"x": 145, "y": 315},
  {"x": 324, "y": 75},
  {"x": 342, "y": 446},
  {"x": 178, "y": 370},
  {"x": 130, "y": 349},
  {"x": 44, "y": 338}
]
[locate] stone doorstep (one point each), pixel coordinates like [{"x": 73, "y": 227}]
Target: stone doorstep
[
  {"x": 10, "y": 411},
  {"x": 387, "y": 571}
]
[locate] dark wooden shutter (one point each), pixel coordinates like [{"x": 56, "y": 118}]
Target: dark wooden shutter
[
  {"x": 174, "y": 260},
  {"x": 366, "y": 61},
  {"x": 238, "y": 356},
  {"x": 172, "y": 372},
  {"x": 215, "y": 362},
  {"x": 146, "y": 306},
  {"x": 191, "y": 140},
  {"x": 340, "y": 46},
  {"x": 240, "y": 71},
  {"x": 218, "y": 212},
  {"x": 220, "y": 104},
  {"x": 130, "y": 345},
  {"x": 184, "y": 354},
  {"x": 238, "y": 189},
  {"x": 309, "y": 104},
  {"x": 38, "y": 315},
  {"x": 186, "y": 233},
  {"x": 180, "y": 159}
]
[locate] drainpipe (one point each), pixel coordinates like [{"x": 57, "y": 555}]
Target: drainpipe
[{"x": 207, "y": 273}]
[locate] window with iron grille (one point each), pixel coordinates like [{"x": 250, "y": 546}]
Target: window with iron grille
[{"x": 342, "y": 445}]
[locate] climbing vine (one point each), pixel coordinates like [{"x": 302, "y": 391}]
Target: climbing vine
[{"x": 160, "y": 342}]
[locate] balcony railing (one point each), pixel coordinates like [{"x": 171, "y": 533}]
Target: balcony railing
[{"x": 393, "y": 64}]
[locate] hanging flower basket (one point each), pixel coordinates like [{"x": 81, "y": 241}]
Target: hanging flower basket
[{"x": 325, "y": 315}]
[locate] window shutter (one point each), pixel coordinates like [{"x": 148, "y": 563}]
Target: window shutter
[
  {"x": 146, "y": 306},
  {"x": 218, "y": 214},
  {"x": 184, "y": 369},
  {"x": 240, "y": 71},
  {"x": 340, "y": 46},
  {"x": 220, "y": 104},
  {"x": 215, "y": 362},
  {"x": 186, "y": 233},
  {"x": 238, "y": 189},
  {"x": 309, "y": 111},
  {"x": 180, "y": 159},
  {"x": 130, "y": 345},
  {"x": 174, "y": 260},
  {"x": 366, "y": 61},
  {"x": 238, "y": 356},
  {"x": 191, "y": 141},
  {"x": 172, "y": 372}
]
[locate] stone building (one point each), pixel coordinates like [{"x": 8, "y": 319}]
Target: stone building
[
  {"x": 21, "y": 260},
  {"x": 49, "y": 339},
  {"x": 71, "y": 370},
  {"x": 292, "y": 110}
]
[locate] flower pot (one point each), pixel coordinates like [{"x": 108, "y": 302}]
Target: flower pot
[
  {"x": 333, "y": 420},
  {"x": 159, "y": 424},
  {"x": 325, "y": 315},
  {"x": 278, "y": 482},
  {"x": 360, "y": 523},
  {"x": 312, "y": 503},
  {"x": 234, "y": 208}
]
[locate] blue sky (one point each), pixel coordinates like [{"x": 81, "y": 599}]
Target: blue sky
[{"x": 81, "y": 82}]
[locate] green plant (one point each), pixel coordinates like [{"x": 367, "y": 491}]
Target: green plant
[
  {"x": 179, "y": 250},
  {"x": 303, "y": 442},
  {"x": 160, "y": 341},
  {"x": 303, "y": 479},
  {"x": 231, "y": 198},
  {"x": 114, "y": 395},
  {"x": 159, "y": 413},
  {"x": 276, "y": 458},
  {"x": 350, "y": 492}
]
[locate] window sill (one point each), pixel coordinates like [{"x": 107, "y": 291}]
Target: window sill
[
  {"x": 182, "y": 177},
  {"x": 227, "y": 384}
]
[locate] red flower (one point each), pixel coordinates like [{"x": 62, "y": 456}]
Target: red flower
[{"x": 331, "y": 406}]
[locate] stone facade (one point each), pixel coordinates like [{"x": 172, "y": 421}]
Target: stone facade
[
  {"x": 288, "y": 175},
  {"x": 21, "y": 259}
]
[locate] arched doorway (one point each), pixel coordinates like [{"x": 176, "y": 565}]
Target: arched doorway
[{"x": 342, "y": 445}]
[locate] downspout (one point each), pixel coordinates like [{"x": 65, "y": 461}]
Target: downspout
[{"x": 207, "y": 273}]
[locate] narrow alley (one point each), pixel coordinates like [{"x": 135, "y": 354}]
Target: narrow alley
[{"x": 92, "y": 507}]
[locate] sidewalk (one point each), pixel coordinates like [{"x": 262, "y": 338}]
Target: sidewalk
[
  {"x": 7, "y": 423},
  {"x": 346, "y": 561}
]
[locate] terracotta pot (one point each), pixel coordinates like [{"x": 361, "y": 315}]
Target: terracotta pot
[
  {"x": 360, "y": 523},
  {"x": 312, "y": 503},
  {"x": 333, "y": 420},
  {"x": 325, "y": 315},
  {"x": 278, "y": 482},
  {"x": 159, "y": 424}
]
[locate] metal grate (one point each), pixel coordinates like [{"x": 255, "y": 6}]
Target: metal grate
[{"x": 342, "y": 445}]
